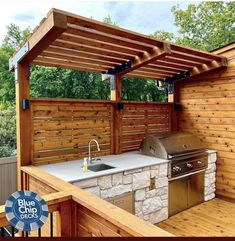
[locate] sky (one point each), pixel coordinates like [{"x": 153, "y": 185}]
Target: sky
[{"x": 141, "y": 16}]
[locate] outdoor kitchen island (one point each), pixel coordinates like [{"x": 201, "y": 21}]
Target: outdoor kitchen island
[{"x": 142, "y": 179}]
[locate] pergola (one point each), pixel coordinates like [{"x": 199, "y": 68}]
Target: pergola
[{"x": 70, "y": 41}]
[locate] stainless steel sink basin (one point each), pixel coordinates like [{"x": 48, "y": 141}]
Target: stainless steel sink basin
[{"x": 99, "y": 167}]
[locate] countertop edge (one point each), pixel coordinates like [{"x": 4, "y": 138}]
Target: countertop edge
[{"x": 114, "y": 171}]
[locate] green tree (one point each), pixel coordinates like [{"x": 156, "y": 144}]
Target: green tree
[
  {"x": 163, "y": 35},
  {"x": 7, "y": 84},
  {"x": 12, "y": 40},
  {"x": 206, "y": 26},
  {"x": 108, "y": 20},
  {"x": 62, "y": 83},
  {"x": 15, "y": 36},
  {"x": 139, "y": 89},
  {"x": 7, "y": 131}
]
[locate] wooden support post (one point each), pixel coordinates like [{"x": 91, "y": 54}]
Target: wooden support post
[
  {"x": 116, "y": 95},
  {"x": 23, "y": 121},
  {"x": 175, "y": 111},
  {"x": 67, "y": 215}
]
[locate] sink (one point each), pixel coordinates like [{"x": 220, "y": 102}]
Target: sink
[{"x": 99, "y": 167}]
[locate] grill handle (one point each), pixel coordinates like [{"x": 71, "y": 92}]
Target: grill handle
[{"x": 186, "y": 175}]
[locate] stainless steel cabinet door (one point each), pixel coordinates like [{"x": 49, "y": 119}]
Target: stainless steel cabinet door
[
  {"x": 196, "y": 189},
  {"x": 178, "y": 195}
]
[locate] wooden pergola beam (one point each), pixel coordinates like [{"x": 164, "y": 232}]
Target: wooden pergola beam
[
  {"x": 98, "y": 44},
  {"x": 77, "y": 58},
  {"x": 48, "y": 31},
  {"x": 100, "y": 36},
  {"x": 72, "y": 62},
  {"x": 46, "y": 34},
  {"x": 64, "y": 64},
  {"x": 143, "y": 76},
  {"x": 144, "y": 59},
  {"x": 90, "y": 49},
  {"x": 214, "y": 64},
  {"x": 208, "y": 67},
  {"x": 73, "y": 52}
]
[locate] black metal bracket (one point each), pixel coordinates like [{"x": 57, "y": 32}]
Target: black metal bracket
[
  {"x": 25, "y": 104},
  {"x": 173, "y": 78},
  {"x": 170, "y": 88},
  {"x": 177, "y": 106},
  {"x": 119, "y": 68},
  {"x": 120, "y": 106}
]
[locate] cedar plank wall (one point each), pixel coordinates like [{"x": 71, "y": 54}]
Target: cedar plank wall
[{"x": 208, "y": 109}]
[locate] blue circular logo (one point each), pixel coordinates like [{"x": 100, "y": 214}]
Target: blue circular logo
[{"x": 26, "y": 210}]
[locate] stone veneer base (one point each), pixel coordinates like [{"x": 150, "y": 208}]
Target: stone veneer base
[{"x": 150, "y": 205}]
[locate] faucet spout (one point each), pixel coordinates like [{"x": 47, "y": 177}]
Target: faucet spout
[{"x": 89, "y": 149}]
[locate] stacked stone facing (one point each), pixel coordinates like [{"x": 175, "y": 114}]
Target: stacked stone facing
[
  {"x": 210, "y": 177},
  {"x": 150, "y": 205}
]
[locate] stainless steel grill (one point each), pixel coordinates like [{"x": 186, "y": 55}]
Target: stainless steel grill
[
  {"x": 186, "y": 167},
  {"x": 185, "y": 151}
]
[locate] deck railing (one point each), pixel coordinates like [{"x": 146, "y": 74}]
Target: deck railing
[
  {"x": 55, "y": 202},
  {"x": 76, "y": 213}
]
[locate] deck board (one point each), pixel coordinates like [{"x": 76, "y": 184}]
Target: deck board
[{"x": 212, "y": 218}]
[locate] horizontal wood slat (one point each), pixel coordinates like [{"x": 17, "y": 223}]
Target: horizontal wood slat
[
  {"x": 61, "y": 131},
  {"x": 138, "y": 120}
]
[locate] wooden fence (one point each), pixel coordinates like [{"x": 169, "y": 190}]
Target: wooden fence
[
  {"x": 8, "y": 178},
  {"x": 62, "y": 128}
]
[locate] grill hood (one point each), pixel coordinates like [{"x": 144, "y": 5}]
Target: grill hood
[{"x": 168, "y": 145}]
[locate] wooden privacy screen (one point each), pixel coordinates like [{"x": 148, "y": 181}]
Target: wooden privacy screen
[
  {"x": 138, "y": 120},
  {"x": 61, "y": 129}
]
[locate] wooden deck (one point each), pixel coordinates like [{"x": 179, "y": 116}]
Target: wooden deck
[{"x": 213, "y": 218}]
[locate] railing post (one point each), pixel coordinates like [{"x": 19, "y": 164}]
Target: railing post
[{"x": 68, "y": 219}]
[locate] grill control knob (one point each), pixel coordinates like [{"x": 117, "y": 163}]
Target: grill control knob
[
  {"x": 176, "y": 169},
  {"x": 189, "y": 165}
]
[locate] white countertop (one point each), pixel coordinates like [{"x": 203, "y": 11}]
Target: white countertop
[{"x": 72, "y": 171}]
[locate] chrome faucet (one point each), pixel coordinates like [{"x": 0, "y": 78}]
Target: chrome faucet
[{"x": 89, "y": 149}]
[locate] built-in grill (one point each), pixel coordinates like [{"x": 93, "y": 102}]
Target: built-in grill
[
  {"x": 187, "y": 163},
  {"x": 184, "y": 151}
]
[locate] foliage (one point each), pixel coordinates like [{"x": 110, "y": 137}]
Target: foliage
[
  {"x": 7, "y": 84},
  {"x": 163, "y": 35},
  {"x": 7, "y": 131},
  {"x": 108, "y": 20},
  {"x": 15, "y": 36},
  {"x": 141, "y": 90},
  {"x": 206, "y": 26},
  {"x": 12, "y": 40},
  {"x": 61, "y": 83}
]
